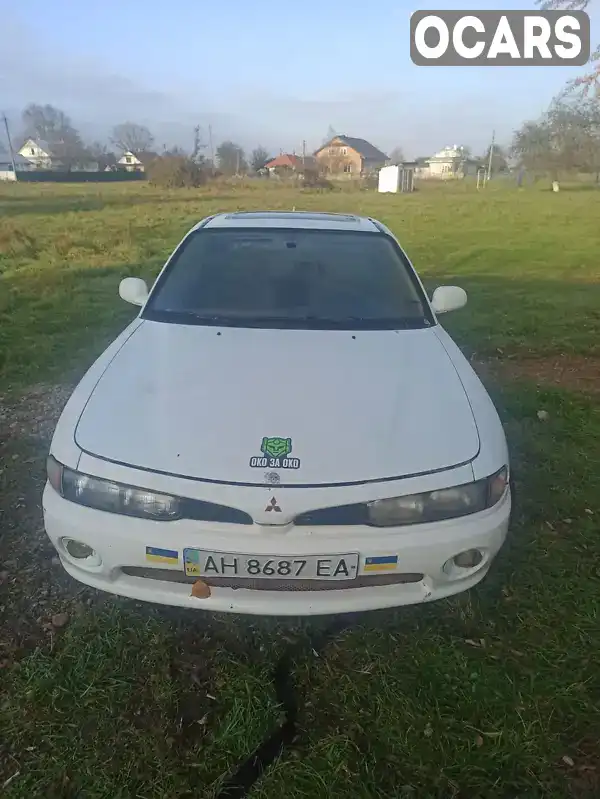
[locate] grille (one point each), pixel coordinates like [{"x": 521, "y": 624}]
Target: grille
[{"x": 260, "y": 584}]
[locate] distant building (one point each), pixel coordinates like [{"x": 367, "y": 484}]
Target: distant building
[
  {"x": 289, "y": 163},
  {"x": 346, "y": 156},
  {"x": 7, "y": 171},
  {"x": 450, "y": 162},
  {"x": 39, "y": 154},
  {"x": 135, "y": 162},
  {"x": 43, "y": 155}
]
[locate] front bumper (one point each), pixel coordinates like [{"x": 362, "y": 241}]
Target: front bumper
[{"x": 421, "y": 549}]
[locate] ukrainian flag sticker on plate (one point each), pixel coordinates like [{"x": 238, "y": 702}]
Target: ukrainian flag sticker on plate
[
  {"x": 157, "y": 555},
  {"x": 381, "y": 563}
]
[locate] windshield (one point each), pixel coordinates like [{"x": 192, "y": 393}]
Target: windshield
[{"x": 292, "y": 278}]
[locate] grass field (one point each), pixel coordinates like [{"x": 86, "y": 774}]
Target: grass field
[{"x": 494, "y": 694}]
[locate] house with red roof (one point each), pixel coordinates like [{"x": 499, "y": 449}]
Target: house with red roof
[{"x": 288, "y": 163}]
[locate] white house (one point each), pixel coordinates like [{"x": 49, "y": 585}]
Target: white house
[
  {"x": 135, "y": 162},
  {"x": 41, "y": 155},
  {"x": 450, "y": 162},
  {"x": 7, "y": 172},
  {"x": 38, "y": 153}
]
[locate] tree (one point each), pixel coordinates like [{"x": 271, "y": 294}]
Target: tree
[
  {"x": 259, "y": 158},
  {"x": 104, "y": 157},
  {"x": 532, "y": 147},
  {"x": 565, "y": 139},
  {"x": 50, "y": 124},
  {"x": 175, "y": 151},
  {"x": 575, "y": 126},
  {"x": 132, "y": 137},
  {"x": 197, "y": 156},
  {"x": 397, "y": 155},
  {"x": 592, "y": 79},
  {"x": 231, "y": 158},
  {"x": 331, "y": 134},
  {"x": 45, "y": 122},
  {"x": 499, "y": 159}
]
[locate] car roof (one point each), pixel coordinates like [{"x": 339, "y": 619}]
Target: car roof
[{"x": 312, "y": 220}]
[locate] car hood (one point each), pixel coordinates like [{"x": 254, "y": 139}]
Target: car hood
[{"x": 334, "y": 406}]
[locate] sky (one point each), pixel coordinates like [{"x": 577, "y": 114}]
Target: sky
[{"x": 263, "y": 72}]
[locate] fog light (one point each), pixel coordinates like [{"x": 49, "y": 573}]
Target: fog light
[
  {"x": 77, "y": 549},
  {"x": 468, "y": 559}
]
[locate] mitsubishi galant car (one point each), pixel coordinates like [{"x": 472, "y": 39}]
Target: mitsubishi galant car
[{"x": 284, "y": 428}]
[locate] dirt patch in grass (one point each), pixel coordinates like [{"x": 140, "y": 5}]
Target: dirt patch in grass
[
  {"x": 34, "y": 589},
  {"x": 569, "y": 372},
  {"x": 34, "y": 413}
]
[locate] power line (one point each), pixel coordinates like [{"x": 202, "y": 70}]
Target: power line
[{"x": 10, "y": 147}]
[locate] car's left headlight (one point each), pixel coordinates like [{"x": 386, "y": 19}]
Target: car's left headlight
[
  {"x": 433, "y": 506},
  {"x": 106, "y": 495}
]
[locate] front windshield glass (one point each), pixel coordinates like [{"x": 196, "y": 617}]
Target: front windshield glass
[{"x": 294, "y": 278}]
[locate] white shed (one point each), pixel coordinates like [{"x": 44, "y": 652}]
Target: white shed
[{"x": 389, "y": 179}]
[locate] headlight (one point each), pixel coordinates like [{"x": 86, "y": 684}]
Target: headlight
[
  {"x": 101, "y": 494},
  {"x": 433, "y": 506}
]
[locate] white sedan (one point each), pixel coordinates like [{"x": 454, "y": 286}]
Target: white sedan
[{"x": 285, "y": 428}]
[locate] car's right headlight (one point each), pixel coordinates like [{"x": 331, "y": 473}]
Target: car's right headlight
[
  {"x": 446, "y": 503},
  {"x": 106, "y": 495}
]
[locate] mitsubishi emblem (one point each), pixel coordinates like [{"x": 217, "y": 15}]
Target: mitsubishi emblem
[{"x": 273, "y": 506}]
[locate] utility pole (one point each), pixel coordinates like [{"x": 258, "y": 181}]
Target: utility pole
[
  {"x": 489, "y": 169},
  {"x": 237, "y": 167},
  {"x": 10, "y": 147},
  {"x": 210, "y": 144},
  {"x": 303, "y": 155}
]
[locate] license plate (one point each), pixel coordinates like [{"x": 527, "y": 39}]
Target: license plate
[{"x": 202, "y": 563}]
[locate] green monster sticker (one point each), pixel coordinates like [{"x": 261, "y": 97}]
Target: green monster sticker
[{"x": 276, "y": 453}]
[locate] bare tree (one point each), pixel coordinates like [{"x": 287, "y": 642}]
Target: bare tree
[
  {"x": 397, "y": 155},
  {"x": 51, "y": 125},
  {"x": 258, "y": 158},
  {"x": 174, "y": 152},
  {"x": 591, "y": 81},
  {"x": 132, "y": 137},
  {"x": 331, "y": 134},
  {"x": 102, "y": 155},
  {"x": 196, "y": 155},
  {"x": 45, "y": 122}
]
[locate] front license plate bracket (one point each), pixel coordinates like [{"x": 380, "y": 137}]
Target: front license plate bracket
[{"x": 207, "y": 563}]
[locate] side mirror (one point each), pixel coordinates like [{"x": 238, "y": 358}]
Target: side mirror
[
  {"x": 133, "y": 290},
  {"x": 448, "y": 298}
]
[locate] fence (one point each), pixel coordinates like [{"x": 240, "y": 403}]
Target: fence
[{"x": 50, "y": 176}]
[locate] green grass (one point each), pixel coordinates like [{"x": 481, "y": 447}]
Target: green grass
[
  {"x": 528, "y": 260},
  {"x": 493, "y": 694}
]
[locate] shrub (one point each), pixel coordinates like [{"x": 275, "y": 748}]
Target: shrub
[
  {"x": 175, "y": 172},
  {"x": 312, "y": 180}
]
